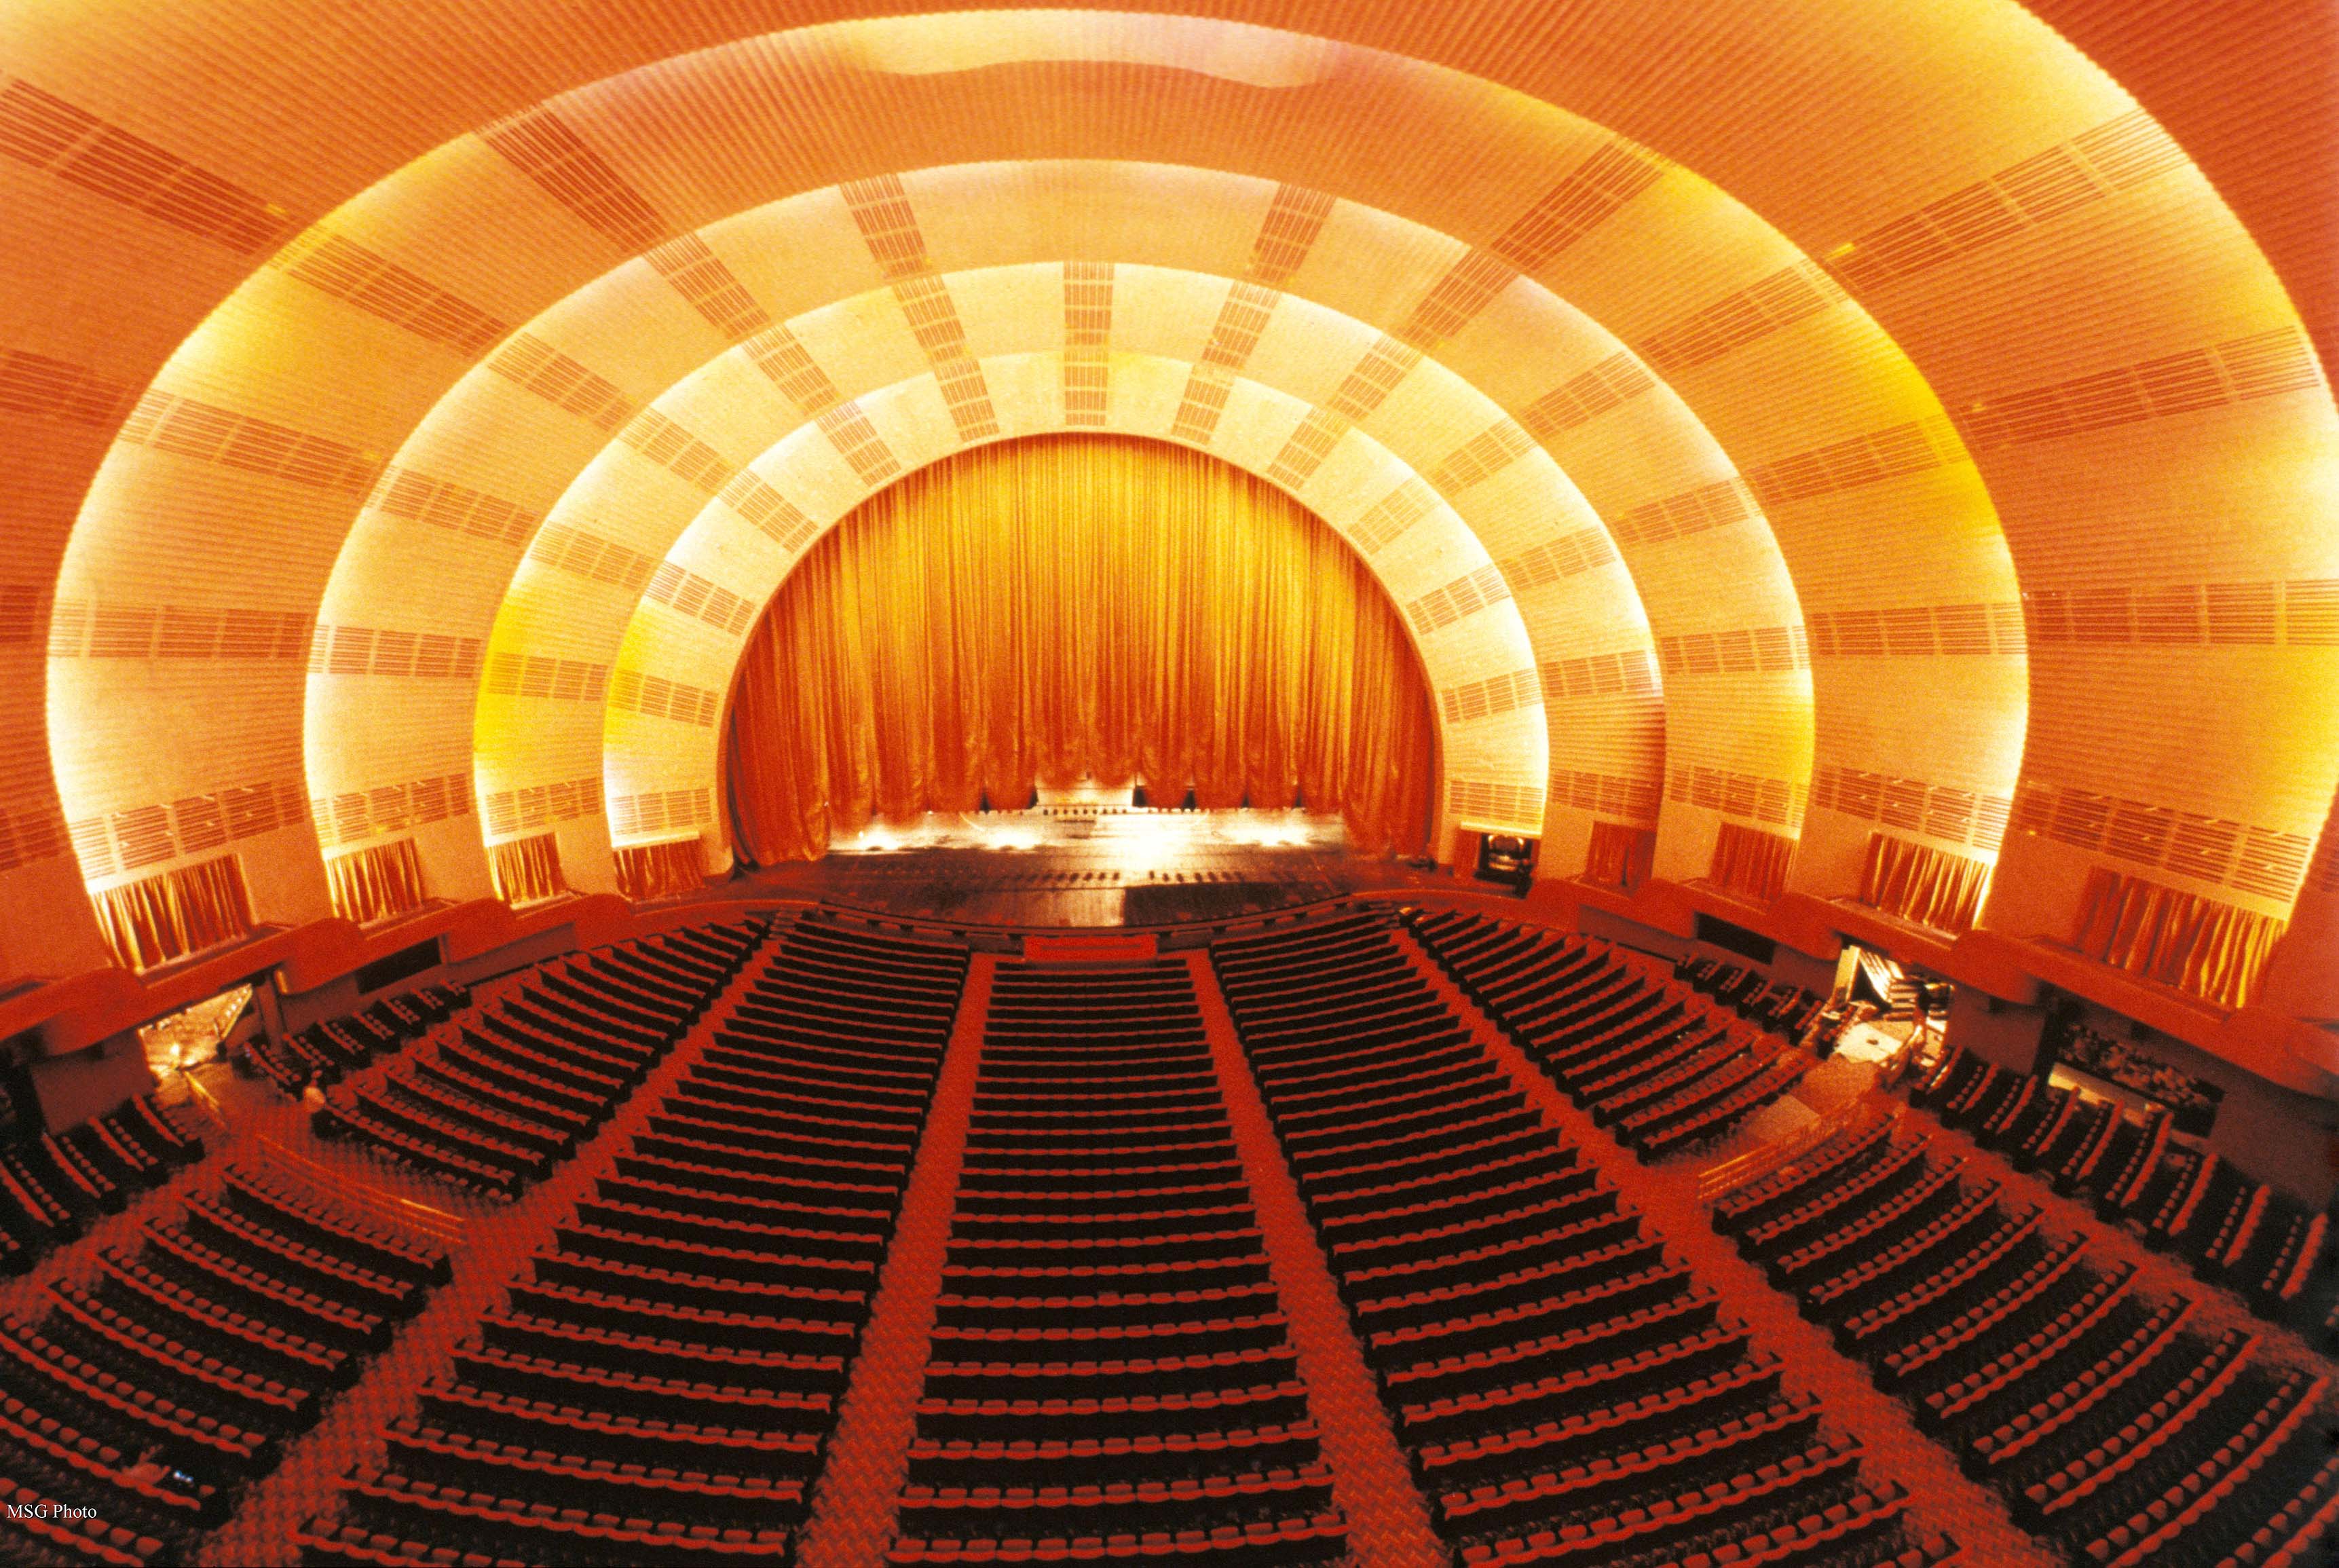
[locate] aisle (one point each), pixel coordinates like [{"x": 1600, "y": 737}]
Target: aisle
[
  {"x": 1389, "y": 1522},
  {"x": 495, "y": 1240},
  {"x": 852, "y": 1507}
]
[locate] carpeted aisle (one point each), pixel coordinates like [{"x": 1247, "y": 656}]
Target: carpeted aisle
[
  {"x": 852, "y": 1507},
  {"x": 495, "y": 1244},
  {"x": 1389, "y": 1522}
]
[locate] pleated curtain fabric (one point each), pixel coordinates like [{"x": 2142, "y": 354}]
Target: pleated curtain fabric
[
  {"x": 377, "y": 881},
  {"x": 1919, "y": 882},
  {"x": 168, "y": 917},
  {"x": 2210, "y": 950},
  {"x": 1748, "y": 861},
  {"x": 647, "y": 870},
  {"x": 1058, "y": 608},
  {"x": 526, "y": 870},
  {"x": 1620, "y": 855}
]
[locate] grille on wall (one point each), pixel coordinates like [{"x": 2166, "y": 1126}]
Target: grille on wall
[
  {"x": 660, "y": 811},
  {"x": 779, "y": 519},
  {"x": 1778, "y": 801},
  {"x": 1964, "y": 817},
  {"x": 2256, "y": 861},
  {"x": 1494, "y": 695},
  {"x": 1508, "y": 808},
  {"x": 1464, "y": 596},
  {"x": 136, "y": 836},
  {"x": 358, "y": 814},
  {"x": 534, "y": 807}
]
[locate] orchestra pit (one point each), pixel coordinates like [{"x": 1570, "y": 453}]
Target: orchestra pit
[{"x": 1515, "y": 784}]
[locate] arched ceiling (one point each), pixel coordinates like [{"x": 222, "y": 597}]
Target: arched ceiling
[{"x": 1918, "y": 306}]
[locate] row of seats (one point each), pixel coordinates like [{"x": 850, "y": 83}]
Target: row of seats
[
  {"x": 52, "y": 1188},
  {"x": 2114, "y": 1425},
  {"x": 325, "y": 1051},
  {"x": 142, "y": 1395},
  {"x": 1664, "y": 1066},
  {"x": 1566, "y": 1390},
  {"x": 1110, "y": 1372},
  {"x": 657, "y": 1382},
  {"x": 496, "y": 1102},
  {"x": 1777, "y": 1006},
  {"x": 2245, "y": 1234}
]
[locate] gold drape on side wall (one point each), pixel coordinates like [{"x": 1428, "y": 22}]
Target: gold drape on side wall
[
  {"x": 655, "y": 870},
  {"x": 1930, "y": 886},
  {"x": 2211, "y": 950},
  {"x": 1064, "y": 608},
  {"x": 376, "y": 881},
  {"x": 1748, "y": 861},
  {"x": 1620, "y": 855},
  {"x": 183, "y": 911},
  {"x": 526, "y": 870}
]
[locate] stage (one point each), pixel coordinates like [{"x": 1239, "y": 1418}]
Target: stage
[{"x": 1077, "y": 864}]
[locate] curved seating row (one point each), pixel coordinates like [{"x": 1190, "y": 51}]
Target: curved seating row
[
  {"x": 496, "y": 1102},
  {"x": 53, "y": 1186},
  {"x": 137, "y": 1401},
  {"x": 657, "y": 1384},
  {"x": 1566, "y": 1390},
  {"x": 2247, "y": 1235},
  {"x": 326, "y": 1050},
  {"x": 2116, "y": 1425},
  {"x": 1665, "y": 1066},
  {"x": 1110, "y": 1375}
]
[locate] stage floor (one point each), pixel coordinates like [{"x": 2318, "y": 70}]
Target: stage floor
[{"x": 1090, "y": 866}]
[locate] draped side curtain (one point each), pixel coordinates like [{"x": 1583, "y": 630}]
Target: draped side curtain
[
  {"x": 1919, "y": 882},
  {"x": 1046, "y": 610},
  {"x": 526, "y": 870},
  {"x": 1748, "y": 861},
  {"x": 647, "y": 870},
  {"x": 2212, "y": 949},
  {"x": 177, "y": 913},
  {"x": 377, "y": 881}
]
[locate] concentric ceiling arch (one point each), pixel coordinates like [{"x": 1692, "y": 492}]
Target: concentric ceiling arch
[{"x": 1971, "y": 334}]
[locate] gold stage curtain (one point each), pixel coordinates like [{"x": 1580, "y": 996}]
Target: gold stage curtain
[
  {"x": 526, "y": 870},
  {"x": 183, "y": 911},
  {"x": 1620, "y": 855},
  {"x": 1930, "y": 886},
  {"x": 1062, "y": 607},
  {"x": 377, "y": 881},
  {"x": 646, "y": 870},
  {"x": 1748, "y": 861},
  {"x": 2211, "y": 950}
]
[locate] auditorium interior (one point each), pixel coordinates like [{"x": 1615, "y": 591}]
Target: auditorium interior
[{"x": 1342, "y": 782}]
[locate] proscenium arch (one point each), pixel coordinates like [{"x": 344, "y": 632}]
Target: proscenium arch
[
  {"x": 643, "y": 755},
  {"x": 1699, "y": 610},
  {"x": 683, "y": 765},
  {"x": 1810, "y": 204},
  {"x": 523, "y": 745},
  {"x": 622, "y": 500}
]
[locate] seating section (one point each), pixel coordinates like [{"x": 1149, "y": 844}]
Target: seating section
[
  {"x": 2115, "y": 1424},
  {"x": 54, "y": 1188},
  {"x": 1566, "y": 1391},
  {"x": 1110, "y": 1374},
  {"x": 1662, "y": 1066},
  {"x": 199, "y": 1352},
  {"x": 2248, "y": 1236},
  {"x": 326, "y": 1050},
  {"x": 657, "y": 1384},
  {"x": 1775, "y": 1005},
  {"x": 496, "y": 1102}
]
